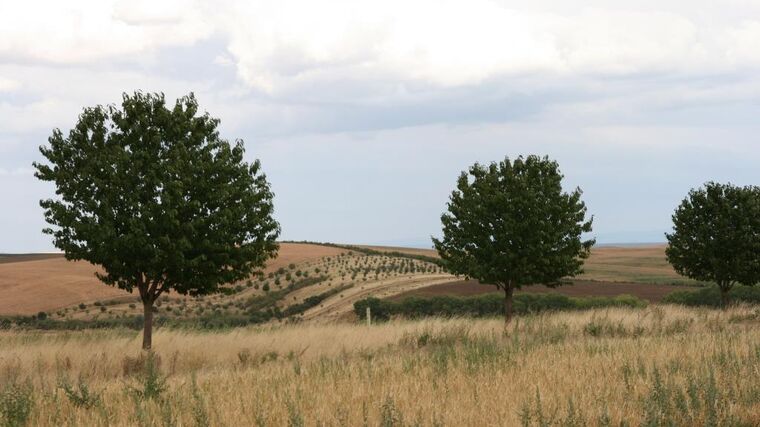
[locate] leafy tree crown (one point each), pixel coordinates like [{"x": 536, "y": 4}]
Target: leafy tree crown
[
  {"x": 155, "y": 197},
  {"x": 716, "y": 235},
  {"x": 510, "y": 224}
]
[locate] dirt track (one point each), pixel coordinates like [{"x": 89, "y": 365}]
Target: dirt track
[
  {"x": 343, "y": 304},
  {"x": 649, "y": 292}
]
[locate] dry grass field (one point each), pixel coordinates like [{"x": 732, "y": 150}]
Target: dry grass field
[{"x": 661, "y": 365}]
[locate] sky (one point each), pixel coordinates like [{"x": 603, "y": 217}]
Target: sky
[{"x": 363, "y": 113}]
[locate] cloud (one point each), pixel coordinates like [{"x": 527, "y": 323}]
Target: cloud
[
  {"x": 278, "y": 46},
  {"x": 89, "y": 30},
  {"x": 7, "y": 85}
]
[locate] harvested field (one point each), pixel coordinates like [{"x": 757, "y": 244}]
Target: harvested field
[
  {"x": 43, "y": 282},
  {"x": 296, "y": 253},
  {"x": 628, "y": 264},
  {"x": 581, "y": 288},
  {"x": 410, "y": 251},
  {"x": 29, "y": 287},
  {"x": 638, "y": 264},
  {"x": 4, "y": 258}
]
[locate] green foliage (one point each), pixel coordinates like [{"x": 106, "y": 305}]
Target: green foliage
[
  {"x": 485, "y": 305},
  {"x": 269, "y": 300},
  {"x": 390, "y": 415},
  {"x": 716, "y": 236},
  {"x": 511, "y": 225},
  {"x": 152, "y": 383},
  {"x": 16, "y": 401},
  {"x": 200, "y": 415},
  {"x": 156, "y": 198},
  {"x": 80, "y": 396},
  {"x": 711, "y": 296}
]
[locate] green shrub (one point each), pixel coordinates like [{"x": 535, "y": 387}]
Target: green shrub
[
  {"x": 16, "y": 402},
  {"x": 710, "y": 296},
  {"x": 152, "y": 384},
  {"x": 81, "y": 396},
  {"x": 485, "y": 305}
]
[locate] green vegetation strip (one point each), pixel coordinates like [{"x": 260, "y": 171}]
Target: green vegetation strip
[
  {"x": 486, "y": 305},
  {"x": 710, "y": 296}
]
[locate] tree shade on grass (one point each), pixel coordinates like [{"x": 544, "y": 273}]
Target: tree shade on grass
[
  {"x": 155, "y": 197},
  {"x": 509, "y": 224},
  {"x": 716, "y": 236}
]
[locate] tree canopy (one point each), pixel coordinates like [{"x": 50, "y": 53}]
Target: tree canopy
[
  {"x": 716, "y": 236},
  {"x": 510, "y": 224},
  {"x": 155, "y": 197}
]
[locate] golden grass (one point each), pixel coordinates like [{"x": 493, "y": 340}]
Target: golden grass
[{"x": 656, "y": 364}]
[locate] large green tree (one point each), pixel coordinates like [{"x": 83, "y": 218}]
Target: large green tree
[
  {"x": 510, "y": 224},
  {"x": 716, "y": 236},
  {"x": 156, "y": 198}
]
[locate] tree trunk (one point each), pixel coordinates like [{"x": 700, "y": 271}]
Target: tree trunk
[
  {"x": 508, "y": 308},
  {"x": 724, "y": 296},
  {"x": 147, "y": 325}
]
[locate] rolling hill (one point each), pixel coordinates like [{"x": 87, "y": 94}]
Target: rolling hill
[{"x": 311, "y": 281}]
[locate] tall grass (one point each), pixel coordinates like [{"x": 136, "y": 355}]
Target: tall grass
[{"x": 661, "y": 365}]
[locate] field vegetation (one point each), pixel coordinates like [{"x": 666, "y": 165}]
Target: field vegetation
[
  {"x": 659, "y": 365},
  {"x": 305, "y": 282}
]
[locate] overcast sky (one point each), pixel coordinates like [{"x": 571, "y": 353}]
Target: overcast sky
[{"x": 363, "y": 113}]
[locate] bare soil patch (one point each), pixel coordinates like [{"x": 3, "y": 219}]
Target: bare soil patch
[
  {"x": 4, "y": 258},
  {"x": 31, "y": 283},
  {"x": 580, "y": 288}
]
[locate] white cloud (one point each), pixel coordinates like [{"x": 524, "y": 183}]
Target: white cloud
[
  {"x": 279, "y": 45},
  {"x": 89, "y": 30},
  {"x": 8, "y": 85},
  {"x": 446, "y": 43}
]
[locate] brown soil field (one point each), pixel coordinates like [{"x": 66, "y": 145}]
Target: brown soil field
[
  {"x": 296, "y": 253},
  {"x": 411, "y": 251},
  {"x": 4, "y": 258},
  {"x": 580, "y": 288},
  {"x": 44, "y": 282},
  {"x": 29, "y": 287},
  {"x": 628, "y": 264}
]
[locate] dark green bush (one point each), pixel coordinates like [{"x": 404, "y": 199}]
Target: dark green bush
[
  {"x": 710, "y": 296},
  {"x": 485, "y": 305}
]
